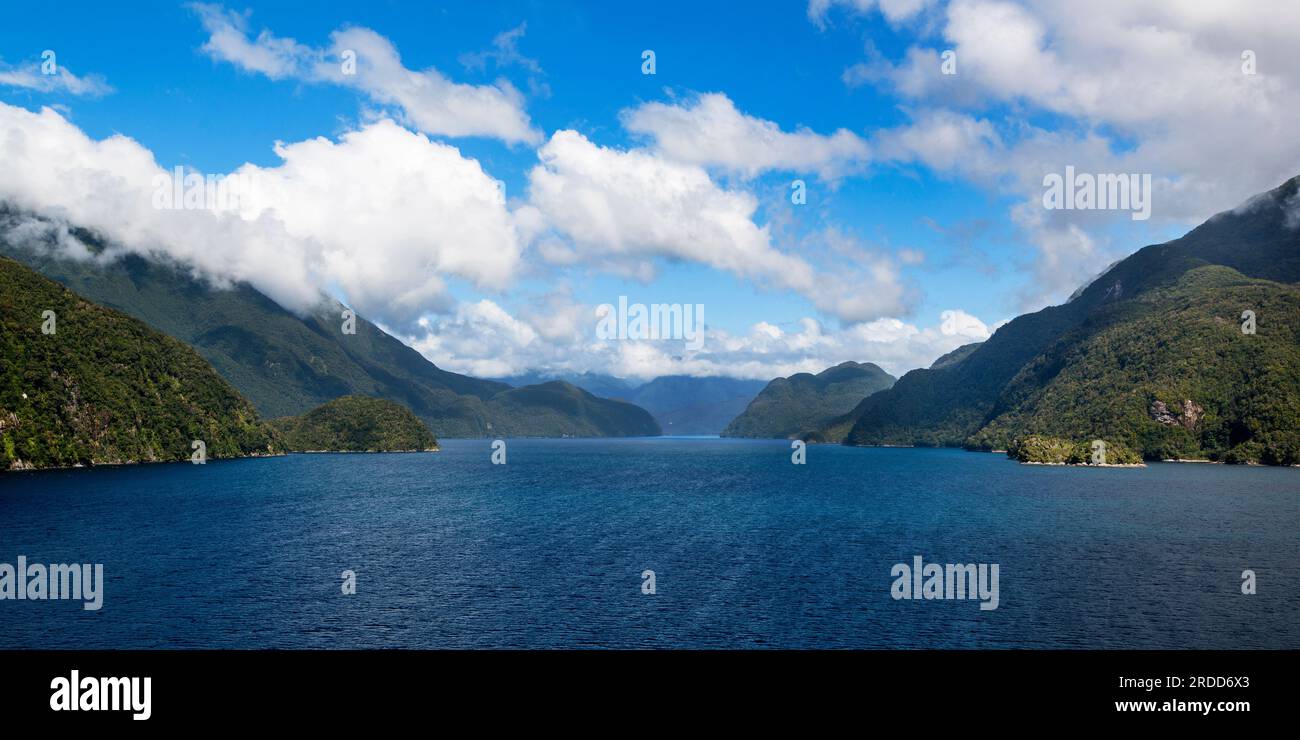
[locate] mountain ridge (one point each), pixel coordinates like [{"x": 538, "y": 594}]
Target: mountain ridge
[
  {"x": 287, "y": 364},
  {"x": 950, "y": 403},
  {"x": 680, "y": 404},
  {"x": 103, "y": 388},
  {"x": 803, "y": 402}
]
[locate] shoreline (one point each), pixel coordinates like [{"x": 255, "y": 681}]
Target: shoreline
[
  {"x": 1085, "y": 465},
  {"x": 438, "y": 448},
  {"x": 361, "y": 452},
  {"x": 253, "y": 456}
]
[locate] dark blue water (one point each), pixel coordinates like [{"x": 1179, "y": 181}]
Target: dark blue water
[{"x": 748, "y": 550}]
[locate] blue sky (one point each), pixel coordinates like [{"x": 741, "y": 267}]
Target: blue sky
[{"x": 939, "y": 215}]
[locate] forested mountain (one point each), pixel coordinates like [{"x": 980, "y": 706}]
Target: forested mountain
[
  {"x": 1151, "y": 354},
  {"x": 355, "y": 424},
  {"x": 86, "y": 385},
  {"x": 790, "y": 407},
  {"x": 287, "y": 364}
]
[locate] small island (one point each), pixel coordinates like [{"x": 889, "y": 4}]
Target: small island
[
  {"x": 1039, "y": 450},
  {"x": 355, "y": 424}
]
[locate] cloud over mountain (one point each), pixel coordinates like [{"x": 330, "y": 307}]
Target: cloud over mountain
[{"x": 383, "y": 214}]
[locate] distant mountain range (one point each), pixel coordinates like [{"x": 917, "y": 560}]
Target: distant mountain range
[
  {"x": 802, "y": 403},
  {"x": 288, "y": 364},
  {"x": 604, "y": 386},
  {"x": 1150, "y": 355},
  {"x": 680, "y": 404}
]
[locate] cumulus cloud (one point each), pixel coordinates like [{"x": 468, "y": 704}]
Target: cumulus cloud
[
  {"x": 484, "y": 338},
  {"x": 1161, "y": 88},
  {"x": 710, "y": 131},
  {"x": 426, "y": 99},
  {"x": 383, "y": 217},
  {"x": 383, "y": 214},
  {"x": 393, "y": 213},
  {"x": 1167, "y": 74},
  {"x": 636, "y": 205},
  {"x": 622, "y": 210},
  {"x": 479, "y": 339},
  {"x": 946, "y": 142}
]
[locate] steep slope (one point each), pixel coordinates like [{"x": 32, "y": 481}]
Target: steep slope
[
  {"x": 955, "y": 356},
  {"x": 287, "y": 364},
  {"x": 103, "y": 388},
  {"x": 947, "y": 404},
  {"x": 790, "y": 407},
  {"x": 1170, "y": 374},
  {"x": 355, "y": 424}
]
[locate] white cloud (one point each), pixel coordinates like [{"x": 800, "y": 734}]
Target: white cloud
[
  {"x": 621, "y": 211},
  {"x": 854, "y": 282},
  {"x": 895, "y": 11},
  {"x": 1154, "y": 87},
  {"x": 30, "y": 77},
  {"x": 944, "y": 141},
  {"x": 1167, "y": 75},
  {"x": 426, "y": 99},
  {"x": 504, "y": 52},
  {"x": 393, "y": 213},
  {"x": 383, "y": 214},
  {"x": 485, "y": 339},
  {"x": 479, "y": 339},
  {"x": 710, "y": 131},
  {"x": 266, "y": 54},
  {"x": 636, "y": 205}
]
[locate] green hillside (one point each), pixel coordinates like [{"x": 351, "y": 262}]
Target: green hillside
[
  {"x": 680, "y": 404},
  {"x": 1056, "y": 451},
  {"x": 104, "y": 388},
  {"x": 1117, "y": 342},
  {"x": 793, "y": 406},
  {"x": 556, "y": 408},
  {"x": 355, "y": 424},
  {"x": 1171, "y": 375},
  {"x": 287, "y": 364}
]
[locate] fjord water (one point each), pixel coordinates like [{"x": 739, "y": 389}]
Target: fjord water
[{"x": 748, "y": 550}]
